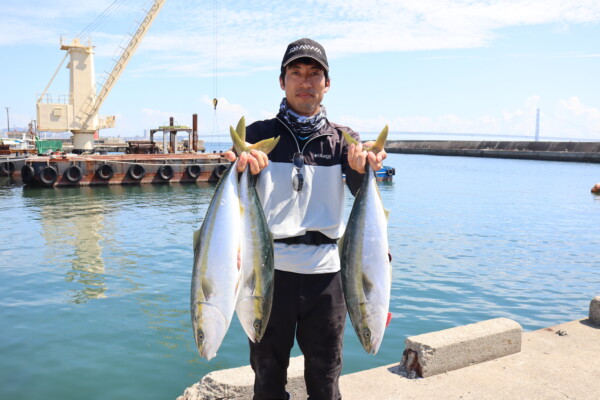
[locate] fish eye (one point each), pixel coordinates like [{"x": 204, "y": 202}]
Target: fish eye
[
  {"x": 256, "y": 325},
  {"x": 200, "y": 336},
  {"x": 367, "y": 334}
]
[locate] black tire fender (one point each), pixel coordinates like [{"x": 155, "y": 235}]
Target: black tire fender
[
  {"x": 73, "y": 173},
  {"x": 165, "y": 172},
  {"x": 105, "y": 172},
  {"x": 137, "y": 171},
  {"x": 7, "y": 168},
  {"x": 193, "y": 171},
  {"x": 48, "y": 175},
  {"x": 219, "y": 171},
  {"x": 27, "y": 173}
]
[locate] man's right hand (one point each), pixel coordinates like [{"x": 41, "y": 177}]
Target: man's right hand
[{"x": 257, "y": 160}]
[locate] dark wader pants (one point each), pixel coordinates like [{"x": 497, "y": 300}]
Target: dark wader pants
[{"x": 312, "y": 308}]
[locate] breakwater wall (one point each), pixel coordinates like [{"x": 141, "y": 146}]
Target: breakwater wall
[{"x": 548, "y": 151}]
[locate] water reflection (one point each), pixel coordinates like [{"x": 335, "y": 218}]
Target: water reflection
[
  {"x": 8, "y": 182},
  {"x": 72, "y": 222},
  {"x": 128, "y": 230},
  {"x": 87, "y": 264}
]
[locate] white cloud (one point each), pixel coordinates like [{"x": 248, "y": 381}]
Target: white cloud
[
  {"x": 250, "y": 33},
  {"x": 568, "y": 119}
]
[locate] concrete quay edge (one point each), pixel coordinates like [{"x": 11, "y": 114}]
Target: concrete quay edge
[
  {"x": 553, "y": 363},
  {"x": 449, "y": 349},
  {"x": 238, "y": 383}
]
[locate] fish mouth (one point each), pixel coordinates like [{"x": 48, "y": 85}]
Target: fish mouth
[
  {"x": 210, "y": 328},
  {"x": 253, "y": 323},
  {"x": 370, "y": 345},
  {"x": 374, "y": 347}
]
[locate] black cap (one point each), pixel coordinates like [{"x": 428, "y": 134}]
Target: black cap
[{"x": 305, "y": 48}]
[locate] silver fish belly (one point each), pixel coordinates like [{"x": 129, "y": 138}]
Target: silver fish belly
[
  {"x": 366, "y": 269},
  {"x": 216, "y": 276}
]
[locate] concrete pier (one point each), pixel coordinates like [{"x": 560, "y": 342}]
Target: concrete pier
[
  {"x": 438, "y": 352},
  {"x": 548, "y": 151},
  {"x": 559, "y": 362}
]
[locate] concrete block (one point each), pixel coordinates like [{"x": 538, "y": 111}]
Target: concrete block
[
  {"x": 442, "y": 351},
  {"x": 238, "y": 383},
  {"x": 595, "y": 310}
]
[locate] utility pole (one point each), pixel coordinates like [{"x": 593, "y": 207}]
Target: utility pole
[{"x": 7, "y": 120}]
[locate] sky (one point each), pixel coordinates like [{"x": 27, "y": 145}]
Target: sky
[{"x": 427, "y": 69}]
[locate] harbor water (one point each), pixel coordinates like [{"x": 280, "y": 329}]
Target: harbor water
[{"x": 95, "y": 281}]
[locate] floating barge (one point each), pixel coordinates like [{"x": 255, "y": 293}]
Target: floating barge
[
  {"x": 120, "y": 169},
  {"x": 124, "y": 169}
]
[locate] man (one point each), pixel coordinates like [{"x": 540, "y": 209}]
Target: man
[{"x": 302, "y": 193}]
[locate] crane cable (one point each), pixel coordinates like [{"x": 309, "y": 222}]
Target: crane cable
[
  {"x": 215, "y": 66},
  {"x": 99, "y": 20},
  {"x": 215, "y": 101}
]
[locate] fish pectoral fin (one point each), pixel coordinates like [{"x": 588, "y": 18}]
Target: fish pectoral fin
[
  {"x": 207, "y": 288},
  {"x": 387, "y": 214},
  {"x": 367, "y": 284},
  {"x": 250, "y": 282}
]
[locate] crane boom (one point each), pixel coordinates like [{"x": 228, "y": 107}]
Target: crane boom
[{"x": 92, "y": 104}]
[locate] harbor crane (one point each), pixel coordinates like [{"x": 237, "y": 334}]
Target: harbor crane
[{"x": 79, "y": 113}]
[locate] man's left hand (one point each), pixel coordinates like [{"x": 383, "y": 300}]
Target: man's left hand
[{"x": 358, "y": 157}]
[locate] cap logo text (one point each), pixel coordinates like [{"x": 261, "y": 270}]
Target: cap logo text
[{"x": 304, "y": 47}]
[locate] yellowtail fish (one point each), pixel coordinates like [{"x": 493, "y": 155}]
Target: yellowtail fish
[
  {"x": 365, "y": 264},
  {"x": 255, "y": 298},
  {"x": 216, "y": 275}
]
